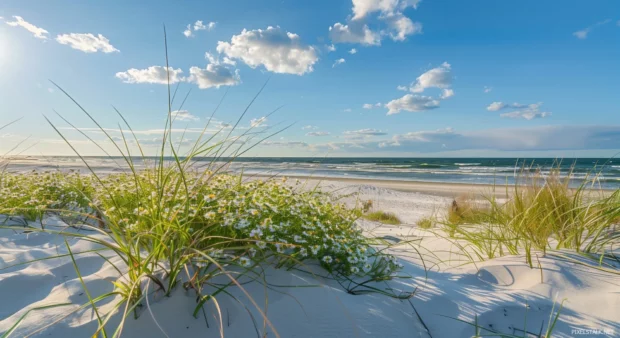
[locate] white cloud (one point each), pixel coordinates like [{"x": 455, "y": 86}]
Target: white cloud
[
  {"x": 361, "y": 8},
  {"x": 371, "y": 106},
  {"x": 496, "y": 106},
  {"x": 309, "y": 127},
  {"x": 87, "y": 43},
  {"x": 199, "y": 26},
  {"x": 487, "y": 89},
  {"x": 183, "y": 115},
  {"x": 365, "y": 132},
  {"x": 401, "y": 27},
  {"x": 439, "y": 77},
  {"x": 285, "y": 144},
  {"x": 531, "y": 112},
  {"x": 338, "y": 62},
  {"x": 38, "y": 32},
  {"x": 390, "y": 13},
  {"x": 447, "y": 93},
  {"x": 403, "y": 88},
  {"x": 278, "y": 51},
  {"x": 331, "y": 48},
  {"x": 188, "y": 31},
  {"x": 354, "y": 33},
  {"x": 347, "y": 110},
  {"x": 257, "y": 122},
  {"x": 353, "y": 51},
  {"x": 526, "y": 114},
  {"x": 318, "y": 133},
  {"x": 153, "y": 74},
  {"x": 214, "y": 75},
  {"x": 412, "y": 103},
  {"x": 583, "y": 34}
]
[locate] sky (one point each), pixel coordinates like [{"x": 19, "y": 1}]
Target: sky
[{"x": 418, "y": 78}]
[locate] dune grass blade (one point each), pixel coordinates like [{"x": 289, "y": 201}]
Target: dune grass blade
[{"x": 19, "y": 321}]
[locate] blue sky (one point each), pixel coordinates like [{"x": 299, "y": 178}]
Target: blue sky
[{"x": 355, "y": 78}]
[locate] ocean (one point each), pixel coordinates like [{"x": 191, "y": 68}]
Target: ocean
[{"x": 453, "y": 170}]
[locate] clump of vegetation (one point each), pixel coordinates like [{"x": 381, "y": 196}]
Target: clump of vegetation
[
  {"x": 543, "y": 214},
  {"x": 427, "y": 222},
  {"x": 172, "y": 225},
  {"x": 383, "y": 217}
]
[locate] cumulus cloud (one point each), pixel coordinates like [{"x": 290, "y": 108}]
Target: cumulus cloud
[
  {"x": 200, "y": 26},
  {"x": 487, "y": 89},
  {"x": 338, "y": 62},
  {"x": 87, "y": 43},
  {"x": 361, "y": 8},
  {"x": 183, "y": 115},
  {"x": 331, "y": 48},
  {"x": 353, "y": 51},
  {"x": 309, "y": 127},
  {"x": 153, "y": 74},
  {"x": 531, "y": 112},
  {"x": 412, "y": 103},
  {"x": 214, "y": 75},
  {"x": 275, "y": 49},
  {"x": 38, "y": 32},
  {"x": 354, "y": 33},
  {"x": 188, "y": 31},
  {"x": 317, "y": 133},
  {"x": 583, "y": 34},
  {"x": 496, "y": 106},
  {"x": 389, "y": 12},
  {"x": 439, "y": 77},
  {"x": 401, "y": 27}
]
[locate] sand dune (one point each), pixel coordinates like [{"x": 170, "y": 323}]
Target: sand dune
[{"x": 502, "y": 293}]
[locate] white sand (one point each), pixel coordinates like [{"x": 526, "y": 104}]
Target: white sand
[{"x": 496, "y": 291}]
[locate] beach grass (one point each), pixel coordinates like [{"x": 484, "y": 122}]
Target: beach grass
[
  {"x": 173, "y": 225},
  {"x": 382, "y": 217},
  {"x": 543, "y": 214}
]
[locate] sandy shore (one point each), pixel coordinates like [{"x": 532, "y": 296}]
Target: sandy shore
[
  {"x": 498, "y": 293},
  {"x": 431, "y": 188}
]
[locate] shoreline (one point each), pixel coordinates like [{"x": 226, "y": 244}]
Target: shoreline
[{"x": 444, "y": 189}]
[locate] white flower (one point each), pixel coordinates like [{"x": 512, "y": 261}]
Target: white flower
[
  {"x": 367, "y": 267},
  {"x": 299, "y": 239},
  {"x": 261, "y": 244},
  {"x": 328, "y": 259},
  {"x": 352, "y": 259},
  {"x": 354, "y": 269},
  {"x": 256, "y": 233},
  {"x": 252, "y": 252},
  {"x": 242, "y": 224},
  {"x": 303, "y": 252},
  {"x": 209, "y": 215},
  {"x": 271, "y": 238},
  {"x": 315, "y": 249},
  {"x": 245, "y": 261}
]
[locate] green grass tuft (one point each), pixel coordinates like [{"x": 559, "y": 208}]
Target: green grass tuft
[{"x": 382, "y": 217}]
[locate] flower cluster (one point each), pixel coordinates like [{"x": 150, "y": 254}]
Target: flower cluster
[{"x": 267, "y": 219}]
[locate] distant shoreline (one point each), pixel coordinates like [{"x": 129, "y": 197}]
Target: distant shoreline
[{"x": 445, "y": 189}]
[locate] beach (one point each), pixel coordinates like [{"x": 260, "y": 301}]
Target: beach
[{"x": 450, "y": 294}]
